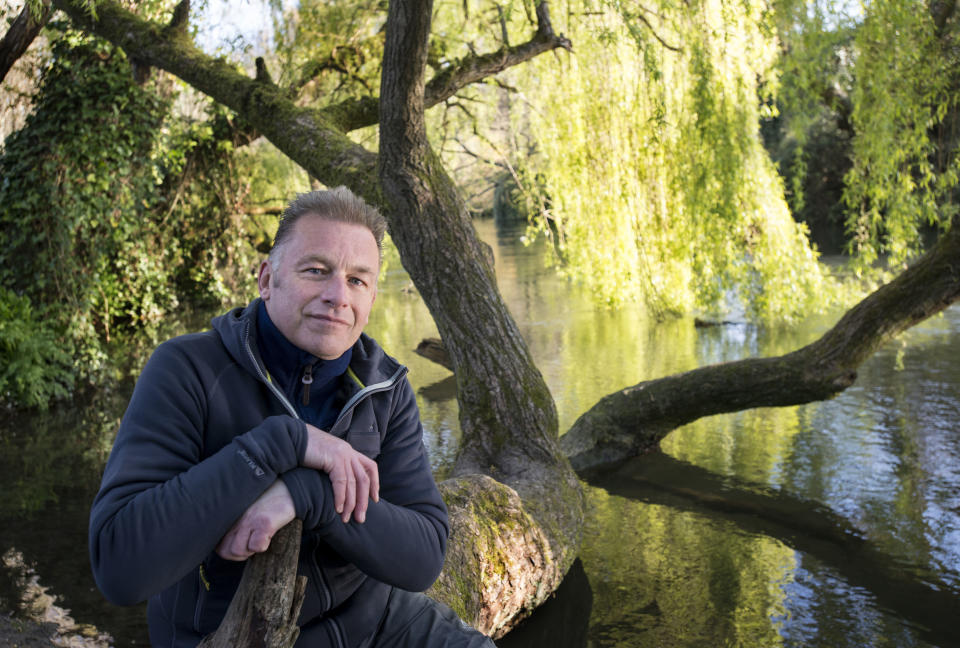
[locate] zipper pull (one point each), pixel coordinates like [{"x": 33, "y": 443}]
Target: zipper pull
[{"x": 307, "y": 380}]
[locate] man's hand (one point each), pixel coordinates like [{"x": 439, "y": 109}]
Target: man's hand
[
  {"x": 355, "y": 477},
  {"x": 253, "y": 531}
]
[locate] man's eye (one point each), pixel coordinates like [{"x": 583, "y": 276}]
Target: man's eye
[{"x": 357, "y": 282}]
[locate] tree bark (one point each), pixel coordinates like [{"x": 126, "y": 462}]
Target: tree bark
[
  {"x": 634, "y": 420},
  {"x": 22, "y": 32},
  {"x": 507, "y": 414}
]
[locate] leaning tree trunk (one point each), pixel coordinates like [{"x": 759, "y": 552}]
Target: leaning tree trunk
[
  {"x": 513, "y": 490},
  {"x": 634, "y": 420}
]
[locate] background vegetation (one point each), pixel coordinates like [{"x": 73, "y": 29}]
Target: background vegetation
[{"x": 685, "y": 155}]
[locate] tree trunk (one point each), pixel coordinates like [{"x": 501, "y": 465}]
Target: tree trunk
[
  {"x": 507, "y": 414},
  {"x": 23, "y": 30},
  {"x": 634, "y": 420}
]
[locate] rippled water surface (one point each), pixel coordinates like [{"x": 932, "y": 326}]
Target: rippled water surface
[{"x": 830, "y": 524}]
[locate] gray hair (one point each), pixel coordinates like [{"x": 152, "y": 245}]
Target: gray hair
[{"x": 338, "y": 204}]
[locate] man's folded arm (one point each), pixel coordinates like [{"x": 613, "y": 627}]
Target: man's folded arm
[
  {"x": 162, "y": 507},
  {"x": 402, "y": 542}
]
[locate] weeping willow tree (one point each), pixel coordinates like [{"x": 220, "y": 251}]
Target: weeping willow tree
[
  {"x": 649, "y": 168},
  {"x": 887, "y": 75},
  {"x": 905, "y": 112}
]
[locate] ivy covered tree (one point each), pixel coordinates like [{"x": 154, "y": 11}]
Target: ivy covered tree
[{"x": 111, "y": 214}]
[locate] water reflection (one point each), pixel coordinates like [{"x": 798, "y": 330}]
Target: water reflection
[
  {"x": 665, "y": 565},
  {"x": 50, "y": 469},
  {"x": 820, "y": 541}
]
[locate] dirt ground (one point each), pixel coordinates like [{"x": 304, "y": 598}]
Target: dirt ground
[
  {"x": 23, "y": 633},
  {"x": 18, "y": 633}
]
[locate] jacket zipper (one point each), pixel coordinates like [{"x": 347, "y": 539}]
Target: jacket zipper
[
  {"x": 263, "y": 376},
  {"x": 307, "y": 380},
  {"x": 350, "y": 404},
  {"x": 203, "y": 587},
  {"x": 338, "y": 632}
]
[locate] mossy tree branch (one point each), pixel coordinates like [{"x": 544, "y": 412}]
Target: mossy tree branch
[{"x": 303, "y": 134}]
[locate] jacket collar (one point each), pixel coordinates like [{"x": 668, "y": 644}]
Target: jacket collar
[
  {"x": 238, "y": 330},
  {"x": 285, "y": 361}
]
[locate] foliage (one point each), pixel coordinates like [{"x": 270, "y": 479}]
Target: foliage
[
  {"x": 35, "y": 363},
  {"x": 330, "y": 50},
  {"x": 208, "y": 246},
  {"x": 882, "y": 83},
  {"x": 809, "y": 132},
  {"x": 77, "y": 182},
  {"x": 112, "y": 213},
  {"x": 906, "y": 93},
  {"x": 649, "y": 168}
]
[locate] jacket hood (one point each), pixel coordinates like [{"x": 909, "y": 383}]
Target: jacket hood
[{"x": 237, "y": 329}]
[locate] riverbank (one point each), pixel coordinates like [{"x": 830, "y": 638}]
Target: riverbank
[{"x": 41, "y": 623}]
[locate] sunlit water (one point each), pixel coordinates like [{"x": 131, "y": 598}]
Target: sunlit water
[{"x": 659, "y": 567}]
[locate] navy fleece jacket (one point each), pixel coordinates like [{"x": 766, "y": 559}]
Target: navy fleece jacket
[{"x": 205, "y": 433}]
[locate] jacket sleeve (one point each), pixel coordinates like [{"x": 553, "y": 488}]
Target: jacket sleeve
[
  {"x": 403, "y": 540},
  {"x": 163, "y": 506}
]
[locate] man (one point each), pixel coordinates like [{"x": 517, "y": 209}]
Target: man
[{"x": 284, "y": 409}]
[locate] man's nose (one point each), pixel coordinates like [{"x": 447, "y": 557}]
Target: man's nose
[{"x": 335, "y": 291}]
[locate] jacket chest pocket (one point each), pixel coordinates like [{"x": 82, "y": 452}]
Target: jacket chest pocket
[{"x": 362, "y": 431}]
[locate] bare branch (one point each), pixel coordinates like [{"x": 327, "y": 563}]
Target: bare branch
[
  {"x": 335, "y": 62},
  {"x": 181, "y": 15},
  {"x": 353, "y": 114},
  {"x": 504, "y": 36},
  {"x": 656, "y": 35}
]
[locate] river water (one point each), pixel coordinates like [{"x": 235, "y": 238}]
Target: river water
[{"x": 831, "y": 524}]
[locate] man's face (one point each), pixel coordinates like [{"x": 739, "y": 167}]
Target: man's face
[{"x": 320, "y": 294}]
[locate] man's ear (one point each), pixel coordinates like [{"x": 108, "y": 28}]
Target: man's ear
[{"x": 263, "y": 279}]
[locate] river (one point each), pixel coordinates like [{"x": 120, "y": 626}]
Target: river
[{"x": 831, "y": 524}]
